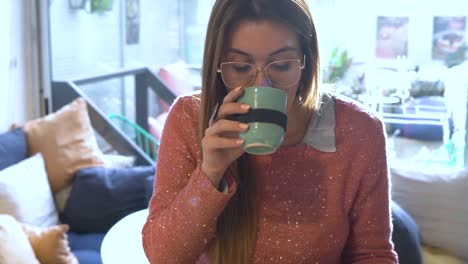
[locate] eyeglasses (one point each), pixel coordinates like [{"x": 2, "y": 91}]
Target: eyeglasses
[{"x": 281, "y": 74}]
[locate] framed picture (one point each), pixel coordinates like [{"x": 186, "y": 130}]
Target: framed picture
[
  {"x": 132, "y": 22},
  {"x": 391, "y": 37},
  {"x": 448, "y": 37}
]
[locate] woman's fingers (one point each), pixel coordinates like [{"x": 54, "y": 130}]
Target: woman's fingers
[
  {"x": 214, "y": 142},
  {"x": 224, "y": 125},
  {"x": 230, "y": 106},
  {"x": 233, "y": 95},
  {"x": 227, "y": 109}
]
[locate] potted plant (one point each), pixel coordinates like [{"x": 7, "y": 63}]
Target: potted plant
[{"x": 338, "y": 65}]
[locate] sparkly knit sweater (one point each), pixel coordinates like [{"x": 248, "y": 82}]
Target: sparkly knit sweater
[{"x": 325, "y": 200}]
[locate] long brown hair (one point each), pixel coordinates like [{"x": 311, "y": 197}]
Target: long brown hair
[{"x": 237, "y": 225}]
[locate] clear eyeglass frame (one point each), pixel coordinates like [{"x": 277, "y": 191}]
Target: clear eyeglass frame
[{"x": 264, "y": 70}]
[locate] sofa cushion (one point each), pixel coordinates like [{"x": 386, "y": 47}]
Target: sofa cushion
[
  {"x": 14, "y": 245},
  {"x": 111, "y": 161},
  {"x": 25, "y": 193},
  {"x": 13, "y": 148},
  {"x": 405, "y": 236},
  {"x": 90, "y": 241},
  {"x": 88, "y": 256},
  {"x": 67, "y": 142},
  {"x": 102, "y": 196},
  {"x": 177, "y": 77},
  {"x": 433, "y": 197},
  {"x": 86, "y": 247},
  {"x": 149, "y": 188}
]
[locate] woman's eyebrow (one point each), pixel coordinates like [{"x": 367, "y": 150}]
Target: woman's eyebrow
[
  {"x": 274, "y": 53},
  {"x": 283, "y": 49},
  {"x": 238, "y": 51}
]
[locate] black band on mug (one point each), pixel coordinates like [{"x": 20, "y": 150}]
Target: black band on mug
[{"x": 263, "y": 116}]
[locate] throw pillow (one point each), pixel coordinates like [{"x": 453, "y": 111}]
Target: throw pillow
[
  {"x": 102, "y": 196},
  {"x": 149, "y": 188},
  {"x": 433, "y": 198},
  {"x": 25, "y": 193},
  {"x": 111, "y": 161},
  {"x": 14, "y": 244},
  {"x": 13, "y": 148},
  {"x": 433, "y": 255},
  {"x": 156, "y": 125},
  {"x": 67, "y": 142},
  {"x": 50, "y": 245},
  {"x": 61, "y": 198},
  {"x": 118, "y": 161},
  {"x": 177, "y": 77}
]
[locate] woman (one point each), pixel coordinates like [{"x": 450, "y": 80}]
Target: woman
[{"x": 322, "y": 197}]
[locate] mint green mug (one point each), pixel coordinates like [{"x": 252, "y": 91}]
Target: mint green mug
[{"x": 266, "y": 118}]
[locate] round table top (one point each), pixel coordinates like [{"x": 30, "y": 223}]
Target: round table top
[{"x": 123, "y": 242}]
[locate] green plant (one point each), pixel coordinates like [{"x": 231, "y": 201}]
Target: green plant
[
  {"x": 100, "y": 6},
  {"x": 422, "y": 88},
  {"x": 338, "y": 65}
]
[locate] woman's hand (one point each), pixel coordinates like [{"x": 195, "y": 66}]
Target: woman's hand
[{"x": 221, "y": 145}]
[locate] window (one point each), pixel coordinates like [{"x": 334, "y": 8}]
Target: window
[{"x": 406, "y": 64}]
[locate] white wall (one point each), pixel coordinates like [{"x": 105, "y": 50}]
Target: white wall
[
  {"x": 4, "y": 64},
  {"x": 352, "y": 25},
  {"x": 18, "y": 90},
  {"x": 86, "y": 44}
]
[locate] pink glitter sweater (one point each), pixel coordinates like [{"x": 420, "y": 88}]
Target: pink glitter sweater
[{"x": 325, "y": 200}]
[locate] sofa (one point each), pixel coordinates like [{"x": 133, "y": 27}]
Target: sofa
[{"x": 62, "y": 191}]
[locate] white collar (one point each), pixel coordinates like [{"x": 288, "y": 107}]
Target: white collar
[{"x": 320, "y": 134}]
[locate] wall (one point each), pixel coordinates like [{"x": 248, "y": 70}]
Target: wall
[
  {"x": 86, "y": 43},
  {"x": 18, "y": 97},
  {"x": 4, "y": 65},
  {"x": 352, "y": 25}
]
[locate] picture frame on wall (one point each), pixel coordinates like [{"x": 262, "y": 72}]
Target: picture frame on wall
[
  {"x": 132, "y": 22},
  {"x": 391, "y": 37},
  {"x": 449, "y": 38}
]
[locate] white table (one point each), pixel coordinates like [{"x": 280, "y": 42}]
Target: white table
[{"x": 123, "y": 242}]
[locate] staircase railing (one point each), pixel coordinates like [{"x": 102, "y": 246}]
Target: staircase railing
[{"x": 63, "y": 92}]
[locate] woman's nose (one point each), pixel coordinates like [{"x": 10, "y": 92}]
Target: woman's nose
[{"x": 261, "y": 79}]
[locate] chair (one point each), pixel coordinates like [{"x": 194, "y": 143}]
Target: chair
[{"x": 144, "y": 140}]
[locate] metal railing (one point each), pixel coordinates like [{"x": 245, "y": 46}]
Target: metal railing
[{"x": 64, "y": 92}]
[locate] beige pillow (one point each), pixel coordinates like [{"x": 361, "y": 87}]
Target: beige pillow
[
  {"x": 14, "y": 245},
  {"x": 433, "y": 255},
  {"x": 67, "y": 142},
  {"x": 51, "y": 244}
]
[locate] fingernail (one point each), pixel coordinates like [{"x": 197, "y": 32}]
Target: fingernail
[
  {"x": 239, "y": 141},
  {"x": 243, "y": 126},
  {"x": 245, "y": 107}
]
